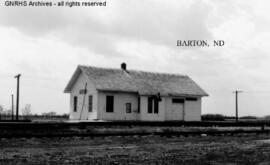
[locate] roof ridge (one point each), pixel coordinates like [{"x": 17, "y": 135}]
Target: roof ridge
[
  {"x": 159, "y": 73},
  {"x": 90, "y": 66},
  {"x": 135, "y": 70}
]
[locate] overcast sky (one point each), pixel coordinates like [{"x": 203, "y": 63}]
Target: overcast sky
[{"x": 46, "y": 44}]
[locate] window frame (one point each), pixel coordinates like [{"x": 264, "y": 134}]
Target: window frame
[
  {"x": 191, "y": 99},
  {"x": 110, "y": 105},
  {"x": 75, "y": 103},
  {"x": 156, "y": 106},
  {"x": 128, "y": 107},
  {"x": 178, "y": 100},
  {"x": 90, "y": 103},
  {"x": 150, "y": 105},
  {"x": 139, "y": 105},
  {"x": 153, "y": 105}
]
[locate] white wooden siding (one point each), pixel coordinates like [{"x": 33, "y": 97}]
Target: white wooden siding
[
  {"x": 177, "y": 111},
  {"x": 119, "y": 109},
  {"x": 167, "y": 110},
  {"x": 83, "y": 114},
  {"x": 145, "y": 116},
  {"x": 193, "y": 110}
]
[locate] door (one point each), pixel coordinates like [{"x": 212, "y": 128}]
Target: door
[{"x": 177, "y": 111}]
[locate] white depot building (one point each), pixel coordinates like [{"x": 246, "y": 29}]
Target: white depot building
[{"x": 122, "y": 94}]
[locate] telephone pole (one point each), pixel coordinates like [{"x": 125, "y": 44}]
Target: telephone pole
[
  {"x": 18, "y": 94},
  {"x": 236, "y": 104},
  {"x": 12, "y": 108}
]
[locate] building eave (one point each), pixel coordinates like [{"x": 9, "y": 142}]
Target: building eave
[
  {"x": 72, "y": 80},
  {"x": 116, "y": 91},
  {"x": 187, "y": 95}
]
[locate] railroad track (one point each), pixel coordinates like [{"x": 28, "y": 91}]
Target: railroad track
[
  {"x": 166, "y": 134},
  {"x": 139, "y": 123},
  {"x": 130, "y": 128}
]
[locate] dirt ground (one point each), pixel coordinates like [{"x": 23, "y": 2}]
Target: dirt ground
[{"x": 244, "y": 149}]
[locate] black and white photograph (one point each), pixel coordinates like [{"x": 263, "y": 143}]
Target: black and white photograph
[{"x": 127, "y": 82}]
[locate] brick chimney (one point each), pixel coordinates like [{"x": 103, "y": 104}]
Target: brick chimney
[{"x": 124, "y": 66}]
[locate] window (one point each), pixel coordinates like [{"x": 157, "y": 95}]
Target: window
[
  {"x": 83, "y": 91},
  {"x": 139, "y": 104},
  {"x": 128, "y": 107},
  {"x": 109, "y": 103},
  {"x": 155, "y": 106},
  {"x": 75, "y": 101},
  {"x": 178, "y": 100},
  {"x": 152, "y": 105},
  {"x": 191, "y": 99},
  {"x": 90, "y": 103}
]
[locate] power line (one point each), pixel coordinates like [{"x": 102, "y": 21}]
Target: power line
[
  {"x": 246, "y": 91},
  {"x": 257, "y": 91}
]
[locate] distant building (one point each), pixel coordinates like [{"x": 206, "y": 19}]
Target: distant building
[{"x": 122, "y": 94}]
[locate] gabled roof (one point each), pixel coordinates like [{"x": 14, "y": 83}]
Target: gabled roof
[{"x": 144, "y": 83}]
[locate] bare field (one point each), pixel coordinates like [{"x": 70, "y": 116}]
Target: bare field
[{"x": 248, "y": 149}]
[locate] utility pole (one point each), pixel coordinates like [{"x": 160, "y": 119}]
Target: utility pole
[
  {"x": 12, "y": 108},
  {"x": 236, "y": 104},
  {"x": 18, "y": 94}
]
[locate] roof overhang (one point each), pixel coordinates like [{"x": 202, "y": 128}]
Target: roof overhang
[
  {"x": 173, "y": 95},
  {"x": 117, "y": 91},
  {"x": 186, "y": 95}
]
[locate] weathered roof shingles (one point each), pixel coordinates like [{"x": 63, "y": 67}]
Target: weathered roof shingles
[{"x": 145, "y": 83}]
